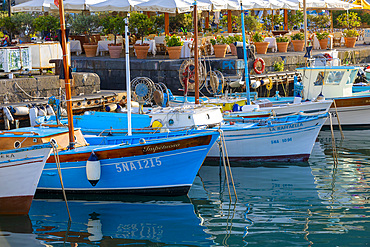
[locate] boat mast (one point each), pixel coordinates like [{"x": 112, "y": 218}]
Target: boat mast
[
  {"x": 67, "y": 80},
  {"x": 128, "y": 86},
  {"x": 246, "y": 73},
  {"x": 196, "y": 65}
]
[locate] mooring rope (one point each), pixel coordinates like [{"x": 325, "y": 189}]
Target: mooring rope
[
  {"x": 335, "y": 156},
  {"x": 57, "y": 161},
  {"x": 336, "y": 112},
  {"x": 227, "y": 167}
]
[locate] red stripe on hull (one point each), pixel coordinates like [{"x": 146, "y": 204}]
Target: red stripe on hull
[
  {"x": 280, "y": 158},
  {"x": 21, "y": 164},
  {"x": 15, "y": 205}
]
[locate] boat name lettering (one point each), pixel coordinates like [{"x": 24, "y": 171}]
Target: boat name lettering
[
  {"x": 6, "y": 156},
  {"x": 138, "y": 164},
  {"x": 284, "y": 127},
  {"x": 159, "y": 148}
]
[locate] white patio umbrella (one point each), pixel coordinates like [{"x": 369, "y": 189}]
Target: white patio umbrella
[
  {"x": 171, "y": 6},
  {"x": 223, "y": 4},
  {"x": 32, "y": 6},
  {"x": 75, "y": 5},
  {"x": 114, "y": 5}
]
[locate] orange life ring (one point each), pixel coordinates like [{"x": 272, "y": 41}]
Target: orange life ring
[{"x": 255, "y": 65}]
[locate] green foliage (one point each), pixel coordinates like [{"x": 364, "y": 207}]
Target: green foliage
[
  {"x": 84, "y": 24},
  {"x": 282, "y": 39},
  {"x": 219, "y": 40},
  {"x": 323, "y": 35},
  {"x": 158, "y": 23},
  {"x": 141, "y": 24},
  {"x": 278, "y": 66},
  {"x": 232, "y": 39},
  {"x": 295, "y": 19},
  {"x": 180, "y": 21},
  {"x": 7, "y": 24},
  {"x": 298, "y": 36},
  {"x": 173, "y": 40},
  {"x": 252, "y": 23},
  {"x": 235, "y": 20},
  {"x": 319, "y": 21},
  {"x": 350, "y": 33},
  {"x": 46, "y": 23},
  {"x": 23, "y": 22},
  {"x": 272, "y": 20},
  {"x": 351, "y": 20},
  {"x": 258, "y": 37}
]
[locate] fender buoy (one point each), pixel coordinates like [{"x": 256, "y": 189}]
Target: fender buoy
[
  {"x": 93, "y": 169},
  {"x": 255, "y": 65},
  {"x": 269, "y": 85}
]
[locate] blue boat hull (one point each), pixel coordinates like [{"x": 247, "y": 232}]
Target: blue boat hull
[{"x": 159, "y": 167}]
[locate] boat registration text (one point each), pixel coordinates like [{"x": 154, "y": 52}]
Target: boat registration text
[{"x": 138, "y": 165}]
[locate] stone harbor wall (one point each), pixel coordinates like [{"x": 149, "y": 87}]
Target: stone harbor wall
[
  {"x": 27, "y": 88},
  {"x": 113, "y": 75}
]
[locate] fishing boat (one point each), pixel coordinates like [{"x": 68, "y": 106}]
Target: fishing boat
[
  {"x": 20, "y": 171},
  {"x": 336, "y": 83},
  {"x": 160, "y": 166}
]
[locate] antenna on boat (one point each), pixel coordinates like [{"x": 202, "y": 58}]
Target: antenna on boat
[
  {"x": 246, "y": 73},
  {"x": 66, "y": 73},
  {"x": 128, "y": 88},
  {"x": 196, "y": 65}
]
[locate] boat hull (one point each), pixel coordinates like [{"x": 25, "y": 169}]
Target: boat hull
[
  {"x": 160, "y": 167},
  {"x": 289, "y": 141},
  {"x": 353, "y": 112},
  {"x": 20, "y": 171}
]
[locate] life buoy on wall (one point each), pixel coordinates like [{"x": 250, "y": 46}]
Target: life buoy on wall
[{"x": 258, "y": 59}]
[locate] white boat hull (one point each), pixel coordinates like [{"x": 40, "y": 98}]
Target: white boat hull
[
  {"x": 351, "y": 116},
  {"x": 20, "y": 172},
  {"x": 291, "y": 141}
]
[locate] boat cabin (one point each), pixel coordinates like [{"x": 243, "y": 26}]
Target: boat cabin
[{"x": 331, "y": 82}]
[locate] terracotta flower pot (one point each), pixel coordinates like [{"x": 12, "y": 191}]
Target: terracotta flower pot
[
  {"x": 141, "y": 51},
  {"x": 261, "y": 47},
  {"x": 115, "y": 51},
  {"x": 323, "y": 43},
  {"x": 233, "y": 49},
  {"x": 350, "y": 41},
  {"x": 220, "y": 50},
  {"x": 282, "y": 46},
  {"x": 174, "y": 52},
  {"x": 298, "y": 45},
  {"x": 90, "y": 50}
]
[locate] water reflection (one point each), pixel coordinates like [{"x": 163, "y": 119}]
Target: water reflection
[
  {"x": 314, "y": 203},
  {"x": 114, "y": 223}
]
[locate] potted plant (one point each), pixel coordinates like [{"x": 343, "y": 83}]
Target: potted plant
[
  {"x": 350, "y": 37},
  {"x": 295, "y": 19},
  {"x": 219, "y": 45},
  {"x": 113, "y": 25},
  {"x": 142, "y": 25},
  {"x": 259, "y": 42},
  {"x": 323, "y": 39},
  {"x": 349, "y": 21},
  {"x": 86, "y": 24},
  {"x": 282, "y": 43},
  {"x": 298, "y": 41},
  {"x": 174, "y": 46}
]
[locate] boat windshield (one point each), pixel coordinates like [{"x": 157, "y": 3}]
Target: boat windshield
[{"x": 352, "y": 76}]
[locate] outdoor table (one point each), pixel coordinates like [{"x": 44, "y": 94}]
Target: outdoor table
[
  {"x": 152, "y": 47},
  {"x": 272, "y": 44},
  {"x": 76, "y": 46},
  {"x": 185, "y": 50},
  {"x": 103, "y": 46}
]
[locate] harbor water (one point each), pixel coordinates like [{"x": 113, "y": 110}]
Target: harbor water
[{"x": 315, "y": 203}]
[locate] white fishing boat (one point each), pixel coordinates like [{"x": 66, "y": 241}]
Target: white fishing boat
[
  {"x": 336, "y": 83},
  {"x": 20, "y": 171}
]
